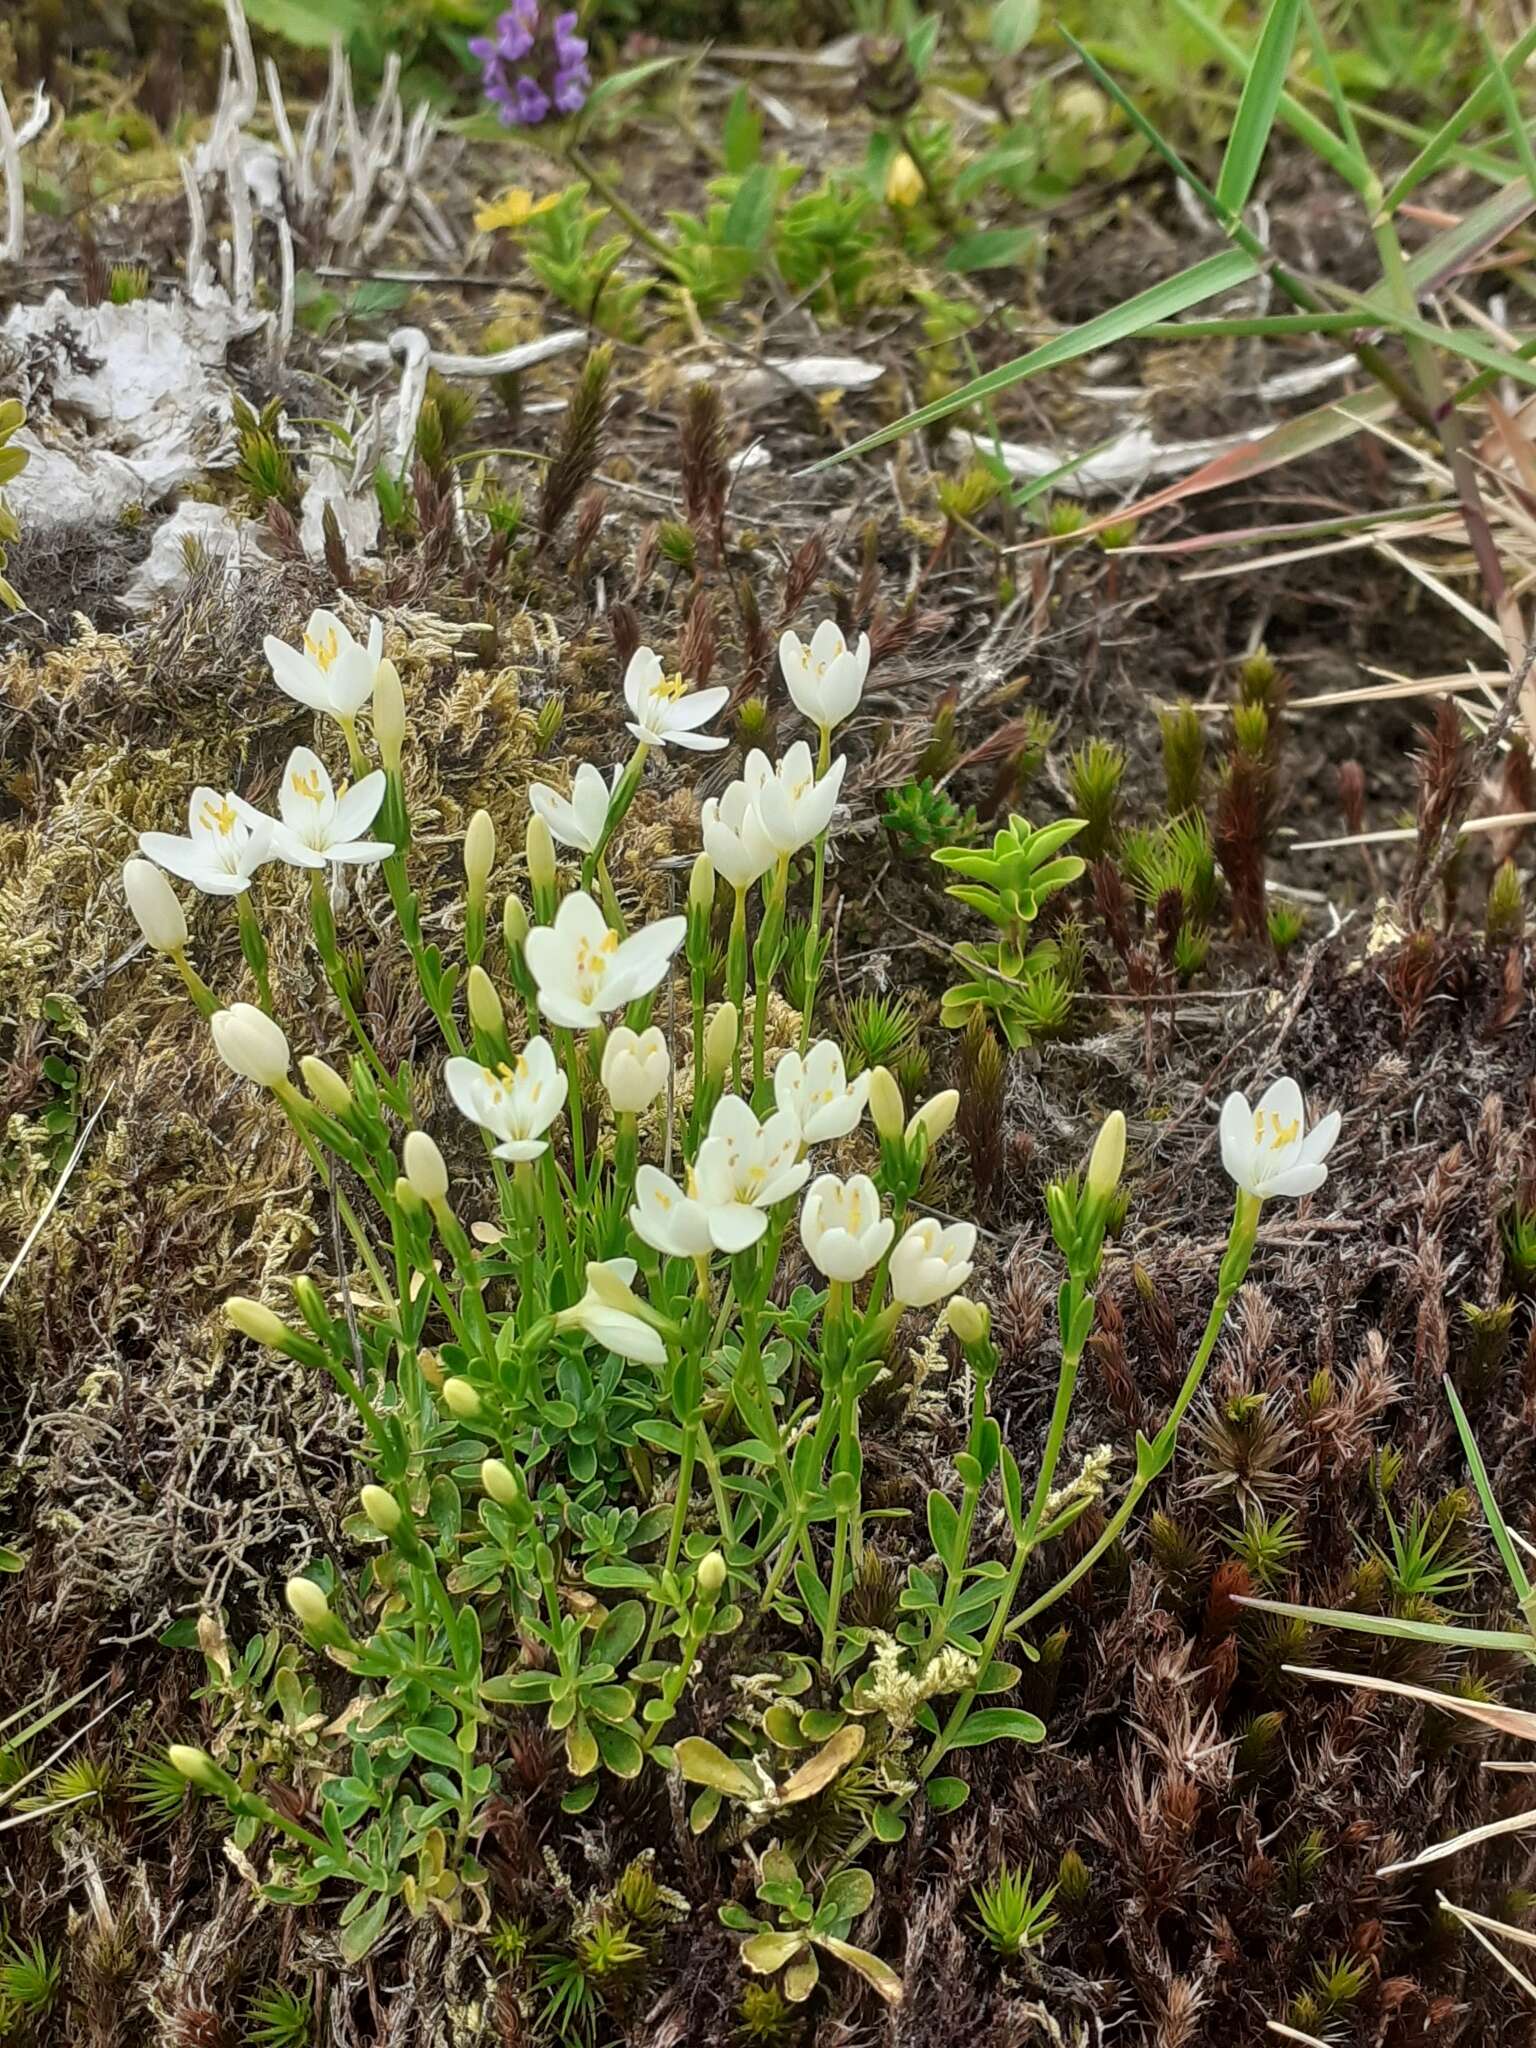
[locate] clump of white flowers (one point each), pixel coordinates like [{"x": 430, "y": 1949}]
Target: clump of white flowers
[{"x": 599, "y": 1431}]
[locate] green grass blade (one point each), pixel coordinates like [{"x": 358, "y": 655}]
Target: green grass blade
[
  {"x": 1305, "y": 126},
  {"x": 1393, "y": 1625},
  {"x": 1510, "y": 108},
  {"x": 1204, "y": 280},
  {"x": 1341, "y": 108},
  {"x": 1144, "y": 128},
  {"x": 1472, "y": 347},
  {"x": 1517, "y": 1573},
  {"x": 1478, "y": 102},
  {"x": 1487, "y": 224},
  {"x": 1257, "y": 108},
  {"x": 1262, "y": 323}
]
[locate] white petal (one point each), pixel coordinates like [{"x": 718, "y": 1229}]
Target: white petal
[
  {"x": 357, "y": 808},
  {"x": 697, "y": 707},
  {"x": 358, "y": 852},
  {"x": 186, "y": 858},
  {"x": 695, "y": 742},
  {"x": 1237, "y": 1147},
  {"x": 565, "y": 1010},
  {"x": 296, "y": 675},
  {"x": 1321, "y": 1139},
  {"x": 735, "y": 1226},
  {"x": 1282, "y": 1101},
  {"x": 1297, "y": 1180}
]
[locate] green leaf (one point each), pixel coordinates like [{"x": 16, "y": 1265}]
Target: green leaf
[
  {"x": 742, "y": 136},
  {"x": 922, "y": 41},
  {"x": 1407, "y": 1631},
  {"x": 364, "y": 1931},
  {"x": 620, "y": 1632},
  {"x": 1012, "y": 25},
  {"x": 752, "y": 210},
  {"x": 1518, "y": 1577},
  {"x": 581, "y": 1796},
  {"x": 1258, "y": 106},
  {"x": 1478, "y": 102},
  {"x": 1204, "y": 280},
  {"x": 997, "y": 1724},
  {"x": 311, "y": 24},
  {"x": 945, "y": 1795},
  {"x": 944, "y": 1529},
  {"x": 991, "y": 249},
  {"x": 703, "y": 1763},
  {"x": 1013, "y": 1493},
  {"x": 848, "y": 1894},
  {"x": 619, "y": 1750},
  {"x": 621, "y": 82},
  {"x": 870, "y": 1968},
  {"x": 815, "y": 1775},
  {"x": 769, "y": 1951},
  {"x": 886, "y": 1824},
  {"x": 580, "y": 1749},
  {"x": 1316, "y": 135}
]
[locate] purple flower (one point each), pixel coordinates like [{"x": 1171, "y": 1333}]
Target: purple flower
[{"x": 531, "y": 66}]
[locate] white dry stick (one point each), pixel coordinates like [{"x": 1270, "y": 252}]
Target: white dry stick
[
  {"x": 282, "y": 333},
  {"x": 12, "y": 142},
  {"x": 242, "y": 266},
  {"x": 199, "y": 271},
  {"x": 411, "y": 349}
]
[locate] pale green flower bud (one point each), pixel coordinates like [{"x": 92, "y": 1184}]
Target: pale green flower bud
[
  {"x": 935, "y": 1116},
  {"x": 712, "y": 1574},
  {"x": 327, "y": 1087},
  {"x": 1107, "y": 1158},
  {"x": 701, "y": 885},
  {"x": 382, "y": 1509},
  {"x": 460, "y": 1399},
  {"x": 424, "y": 1167},
  {"x": 541, "y": 856},
  {"x": 479, "y": 854},
  {"x": 307, "y": 1603},
  {"x": 514, "y": 923},
  {"x": 155, "y": 906},
  {"x": 720, "y": 1037},
  {"x": 971, "y": 1323},
  {"x": 196, "y": 1766},
  {"x": 485, "y": 1011},
  {"x": 255, "y": 1320},
  {"x": 501, "y": 1483},
  {"x": 886, "y": 1108},
  {"x": 388, "y": 715}
]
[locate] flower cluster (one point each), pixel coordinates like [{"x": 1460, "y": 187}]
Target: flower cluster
[{"x": 532, "y": 67}]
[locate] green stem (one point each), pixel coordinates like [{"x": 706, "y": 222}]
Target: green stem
[{"x": 611, "y": 197}]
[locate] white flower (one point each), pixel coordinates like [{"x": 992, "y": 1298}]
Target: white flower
[
  {"x": 826, "y": 679},
  {"x": 316, "y": 824},
  {"x": 516, "y": 1104},
  {"x": 155, "y": 907},
  {"x": 663, "y": 711},
  {"x": 841, "y": 1227},
  {"x": 332, "y": 672},
  {"x": 251, "y": 1044},
  {"x": 608, "y": 1312},
  {"x": 1268, "y": 1150},
  {"x": 666, "y": 1219},
  {"x": 583, "y": 969},
  {"x": 824, "y": 1102},
  {"x": 932, "y": 1260},
  {"x": 734, "y": 838},
  {"x": 635, "y": 1068},
  {"x": 744, "y": 1168},
  {"x": 221, "y": 851},
  {"x": 578, "y": 819},
  {"x": 794, "y": 807}
]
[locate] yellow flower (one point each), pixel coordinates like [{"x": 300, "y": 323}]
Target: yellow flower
[
  {"x": 514, "y": 209},
  {"x": 903, "y": 181}
]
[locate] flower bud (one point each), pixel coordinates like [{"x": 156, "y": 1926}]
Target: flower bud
[
  {"x": 255, "y": 1320},
  {"x": 903, "y": 181},
  {"x": 382, "y": 1509},
  {"x": 307, "y": 1603},
  {"x": 196, "y": 1766},
  {"x": 251, "y": 1044},
  {"x": 327, "y": 1087},
  {"x": 460, "y": 1399},
  {"x": 701, "y": 886},
  {"x": 388, "y": 715},
  {"x": 886, "y": 1108},
  {"x": 540, "y": 847},
  {"x": 971, "y": 1323},
  {"x": 155, "y": 906},
  {"x": 712, "y": 1574},
  {"x": 484, "y": 1004},
  {"x": 479, "y": 854},
  {"x": 514, "y": 923},
  {"x": 424, "y": 1168},
  {"x": 935, "y": 1116},
  {"x": 501, "y": 1483},
  {"x": 1107, "y": 1158},
  {"x": 720, "y": 1037}
]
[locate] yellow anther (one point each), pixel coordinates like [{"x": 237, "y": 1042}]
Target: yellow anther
[
  {"x": 307, "y": 786},
  {"x": 219, "y": 817},
  {"x": 323, "y": 652}
]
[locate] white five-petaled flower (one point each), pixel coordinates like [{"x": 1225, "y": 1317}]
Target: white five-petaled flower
[
  {"x": 332, "y": 672},
  {"x": 516, "y": 1104},
  {"x": 670, "y": 1222},
  {"x": 222, "y": 849},
  {"x": 635, "y": 1068},
  {"x": 744, "y": 1167},
  {"x": 825, "y": 1103},
  {"x": 841, "y": 1227},
  {"x": 826, "y": 679},
  {"x": 734, "y": 836},
  {"x": 663, "y": 711},
  {"x": 315, "y": 824},
  {"x": 578, "y": 819},
  {"x": 583, "y": 969},
  {"x": 1268, "y": 1150},
  {"x": 608, "y": 1311},
  {"x": 794, "y": 807},
  {"x": 933, "y": 1259}
]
